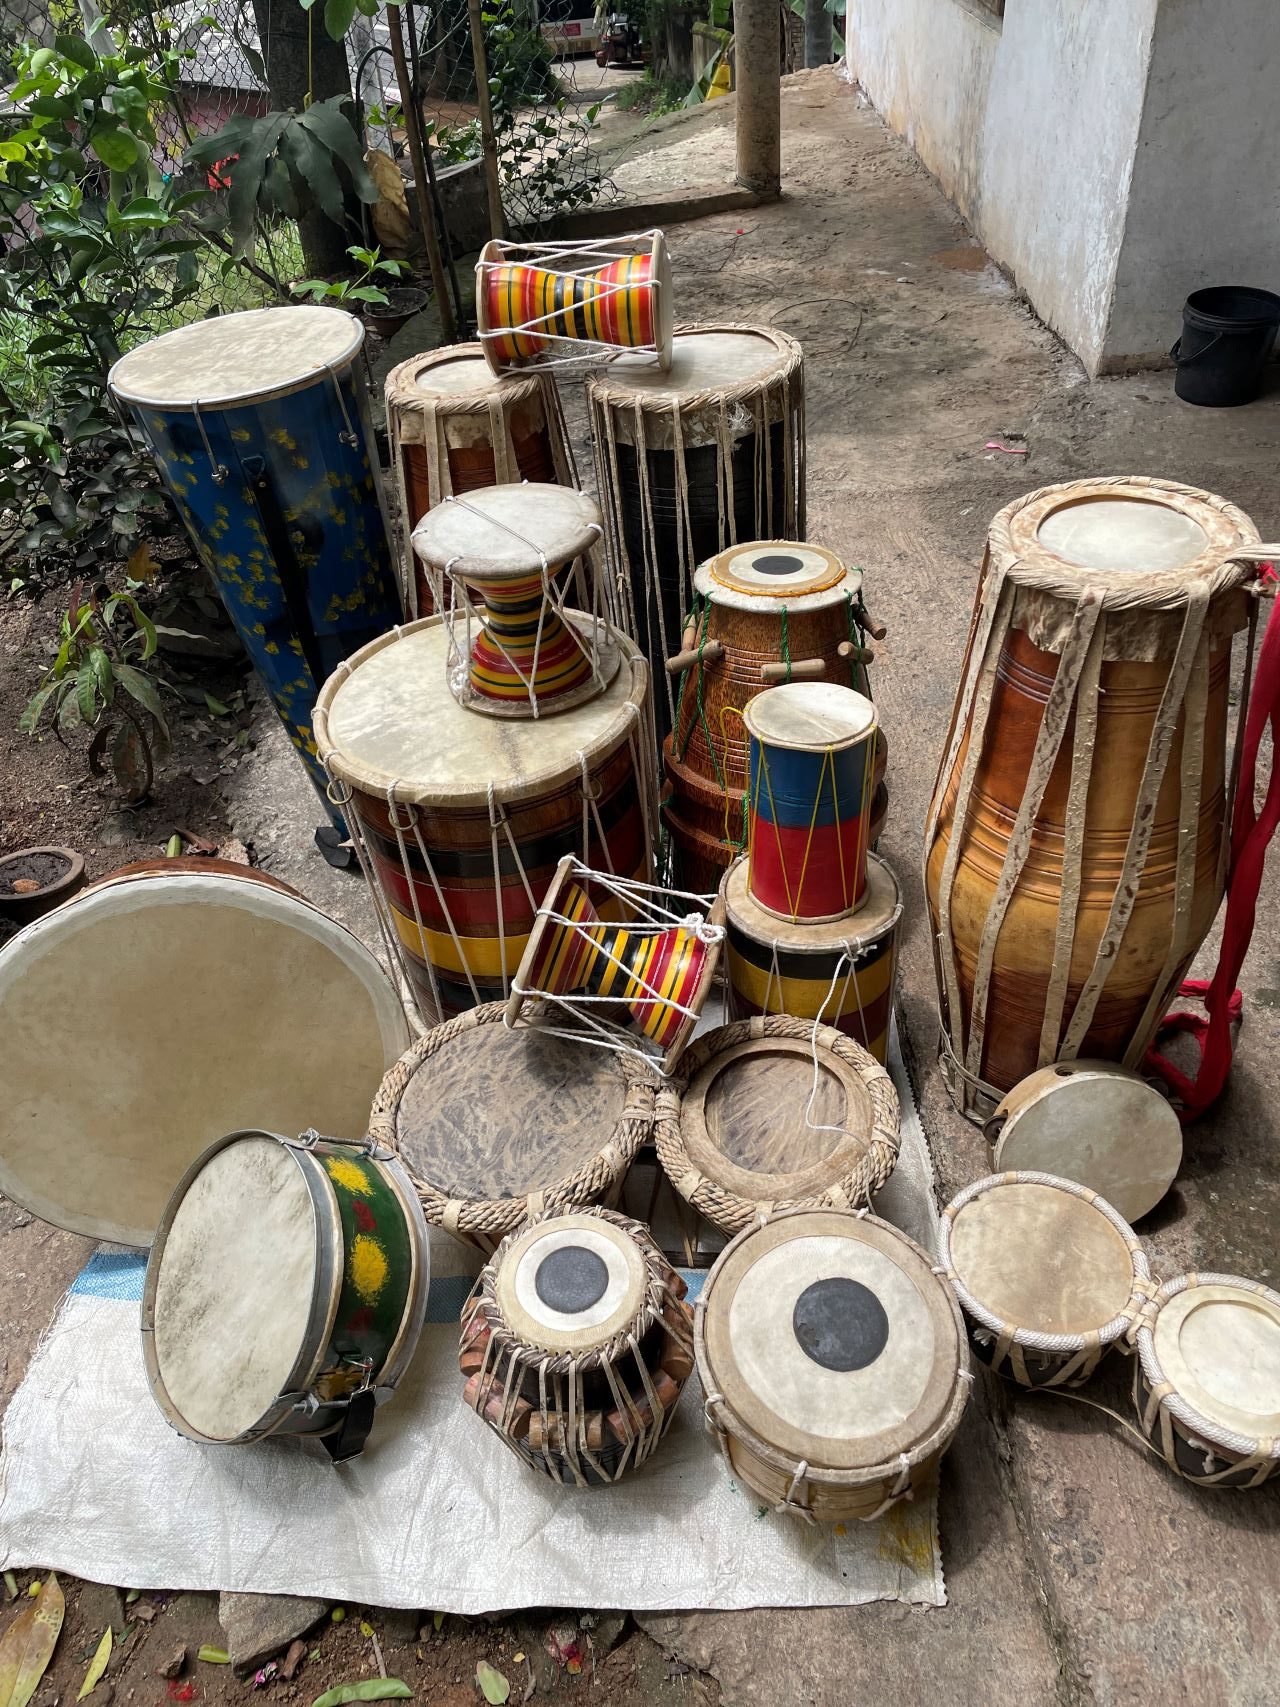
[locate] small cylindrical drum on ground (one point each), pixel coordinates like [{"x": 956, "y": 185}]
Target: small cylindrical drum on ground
[
  {"x": 259, "y": 424},
  {"x": 833, "y": 1360},
  {"x": 1206, "y": 1380},
  {"x": 810, "y": 775},
  {"x": 553, "y": 304},
  {"x": 494, "y": 1124},
  {"x": 693, "y": 461},
  {"x": 576, "y": 1345},
  {"x": 454, "y": 427},
  {"x": 285, "y": 1291},
  {"x": 841, "y": 971},
  {"x": 744, "y": 1131},
  {"x": 1076, "y": 844},
  {"x": 460, "y": 821},
  {"x": 1048, "y": 1274}
]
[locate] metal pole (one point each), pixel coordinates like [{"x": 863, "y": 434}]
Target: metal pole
[
  {"x": 759, "y": 97},
  {"x": 426, "y": 217},
  {"x": 437, "y": 201},
  {"x": 488, "y": 141},
  {"x": 817, "y": 34}
]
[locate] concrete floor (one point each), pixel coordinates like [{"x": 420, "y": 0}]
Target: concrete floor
[{"x": 1078, "y": 1569}]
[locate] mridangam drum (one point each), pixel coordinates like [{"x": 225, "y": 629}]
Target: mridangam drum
[
  {"x": 1075, "y": 849},
  {"x": 744, "y": 1131},
  {"x": 1047, "y": 1273},
  {"x": 833, "y": 1360},
  {"x": 259, "y": 424},
  {"x": 285, "y": 1291},
  {"x": 576, "y": 1345},
  {"x": 461, "y": 820},
  {"x": 220, "y": 999},
  {"x": 691, "y": 462},
  {"x": 454, "y": 427},
  {"x": 496, "y": 1124}
]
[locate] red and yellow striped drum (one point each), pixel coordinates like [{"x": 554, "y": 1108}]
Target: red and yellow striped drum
[
  {"x": 554, "y": 302},
  {"x": 460, "y": 821}
]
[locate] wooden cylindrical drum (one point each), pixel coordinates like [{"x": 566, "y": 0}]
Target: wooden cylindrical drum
[
  {"x": 454, "y": 427},
  {"x": 461, "y": 821},
  {"x": 1048, "y": 1274},
  {"x": 576, "y": 1345},
  {"x": 1075, "y": 849},
  {"x": 841, "y": 971},
  {"x": 810, "y": 779},
  {"x": 693, "y": 461},
  {"x": 833, "y": 1360}
]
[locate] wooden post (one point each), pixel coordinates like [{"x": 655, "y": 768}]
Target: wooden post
[
  {"x": 488, "y": 141},
  {"x": 426, "y": 215},
  {"x": 759, "y": 95}
]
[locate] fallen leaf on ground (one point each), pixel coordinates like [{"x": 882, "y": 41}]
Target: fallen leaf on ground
[
  {"x": 437, "y": 1619},
  {"x": 97, "y": 1665},
  {"x": 371, "y": 1689},
  {"x": 493, "y": 1685},
  {"x": 366, "y": 1629},
  {"x": 11, "y": 1583},
  {"x": 27, "y": 1645},
  {"x": 213, "y": 1656}
]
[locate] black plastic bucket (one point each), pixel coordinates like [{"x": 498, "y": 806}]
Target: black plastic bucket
[{"x": 1227, "y": 334}]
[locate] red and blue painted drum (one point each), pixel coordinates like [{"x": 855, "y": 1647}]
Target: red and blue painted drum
[{"x": 810, "y": 782}]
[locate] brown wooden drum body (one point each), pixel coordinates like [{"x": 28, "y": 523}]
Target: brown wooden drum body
[{"x": 1075, "y": 847}]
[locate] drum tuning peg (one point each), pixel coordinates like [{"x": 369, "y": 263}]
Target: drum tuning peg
[
  {"x": 874, "y": 628},
  {"x": 859, "y": 654},
  {"x": 711, "y": 653},
  {"x": 798, "y": 670}
]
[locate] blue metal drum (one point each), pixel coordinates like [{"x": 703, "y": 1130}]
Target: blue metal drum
[{"x": 259, "y": 424}]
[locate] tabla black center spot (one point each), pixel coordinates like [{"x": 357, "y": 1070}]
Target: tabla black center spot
[
  {"x": 777, "y": 563},
  {"x": 571, "y": 1279},
  {"x": 840, "y": 1324}
]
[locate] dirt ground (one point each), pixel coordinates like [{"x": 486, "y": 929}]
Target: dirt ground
[{"x": 1078, "y": 1572}]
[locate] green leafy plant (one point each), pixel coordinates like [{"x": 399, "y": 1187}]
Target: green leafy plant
[
  {"x": 363, "y": 288},
  {"x": 456, "y": 143}
]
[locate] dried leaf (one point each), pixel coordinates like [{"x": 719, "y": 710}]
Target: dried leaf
[
  {"x": 97, "y": 1665},
  {"x": 142, "y": 566},
  {"x": 371, "y": 1689},
  {"x": 213, "y": 1656},
  {"x": 27, "y": 1645},
  {"x": 493, "y": 1686}
]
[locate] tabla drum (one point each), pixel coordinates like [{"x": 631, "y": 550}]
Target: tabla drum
[
  {"x": 693, "y": 461},
  {"x": 833, "y": 1360},
  {"x": 453, "y": 427},
  {"x": 576, "y": 1345},
  {"x": 1094, "y": 1123},
  {"x": 1206, "y": 1380},
  {"x": 259, "y": 424},
  {"x": 285, "y": 1291},
  {"x": 743, "y": 1131},
  {"x": 495, "y": 1125},
  {"x": 1076, "y": 845},
  {"x": 841, "y": 971},
  {"x": 219, "y": 998},
  {"x": 461, "y": 820},
  {"x": 1048, "y": 1274}
]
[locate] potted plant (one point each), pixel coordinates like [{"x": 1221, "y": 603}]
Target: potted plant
[
  {"x": 34, "y": 880},
  {"x": 385, "y": 310}
]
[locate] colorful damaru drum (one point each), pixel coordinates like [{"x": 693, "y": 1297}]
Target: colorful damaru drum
[
  {"x": 285, "y": 1291},
  {"x": 454, "y": 427},
  {"x": 220, "y": 998},
  {"x": 841, "y": 971},
  {"x": 1206, "y": 1380},
  {"x": 461, "y": 820},
  {"x": 691, "y": 462},
  {"x": 259, "y": 424},
  {"x": 833, "y": 1361},
  {"x": 495, "y": 1124},
  {"x": 1047, "y": 1273},
  {"x": 810, "y": 777},
  {"x": 576, "y": 1345}
]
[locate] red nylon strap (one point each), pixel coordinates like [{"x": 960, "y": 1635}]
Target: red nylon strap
[{"x": 1251, "y": 833}]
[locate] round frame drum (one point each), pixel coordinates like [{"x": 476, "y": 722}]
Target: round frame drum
[
  {"x": 219, "y": 998},
  {"x": 576, "y": 1345},
  {"x": 833, "y": 1360},
  {"x": 1048, "y": 1274},
  {"x": 738, "y": 1137},
  {"x": 285, "y": 1291},
  {"x": 496, "y": 1125},
  {"x": 1206, "y": 1381}
]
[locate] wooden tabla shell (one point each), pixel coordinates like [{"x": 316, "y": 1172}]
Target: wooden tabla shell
[
  {"x": 495, "y": 1125},
  {"x": 472, "y": 809},
  {"x": 576, "y": 1345},
  {"x": 1049, "y": 1275},
  {"x": 847, "y": 1437},
  {"x": 1086, "y": 771},
  {"x": 1095, "y": 1123},
  {"x": 220, "y": 1000},
  {"x": 1206, "y": 1381},
  {"x": 732, "y": 1135},
  {"x": 287, "y": 1285}
]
